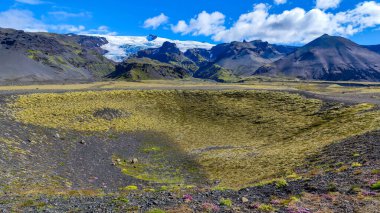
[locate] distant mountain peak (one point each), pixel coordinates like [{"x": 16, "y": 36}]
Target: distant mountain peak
[
  {"x": 330, "y": 42},
  {"x": 331, "y": 58},
  {"x": 151, "y": 37},
  {"x": 168, "y": 43},
  {"x": 258, "y": 41},
  {"x": 169, "y": 47}
]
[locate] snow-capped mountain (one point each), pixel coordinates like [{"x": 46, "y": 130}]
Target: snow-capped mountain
[{"x": 120, "y": 47}]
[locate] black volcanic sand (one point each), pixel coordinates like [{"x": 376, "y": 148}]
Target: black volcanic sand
[{"x": 319, "y": 185}]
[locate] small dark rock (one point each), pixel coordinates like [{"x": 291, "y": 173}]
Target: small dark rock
[{"x": 134, "y": 161}]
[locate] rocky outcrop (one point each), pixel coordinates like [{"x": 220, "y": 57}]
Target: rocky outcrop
[{"x": 145, "y": 68}]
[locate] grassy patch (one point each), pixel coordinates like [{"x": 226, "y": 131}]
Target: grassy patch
[
  {"x": 356, "y": 164},
  {"x": 266, "y": 208},
  {"x": 32, "y": 203},
  {"x": 231, "y": 134},
  {"x": 152, "y": 149},
  {"x": 121, "y": 200},
  {"x": 156, "y": 211},
  {"x": 131, "y": 188},
  {"x": 376, "y": 186},
  {"x": 33, "y": 54},
  {"x": 281, "y": 183},
  {"x": 225, "y": 202},
  {"x": 12, "y": 147}
]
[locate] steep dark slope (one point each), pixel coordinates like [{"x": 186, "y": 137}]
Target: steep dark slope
[
  {"x": 26, "y": 69},
  {"x": 374, "y": 48},
  {"x": 87, "y": 42},
  {"x": 329, "y": 58},
  {"x": 52, "y": 57}
]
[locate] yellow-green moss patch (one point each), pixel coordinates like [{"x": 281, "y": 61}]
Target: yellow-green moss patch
[{"x": 237, "y": 137}]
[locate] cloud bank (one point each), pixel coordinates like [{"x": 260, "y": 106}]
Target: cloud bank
[
  {"x": 25, "y": 20},
  {"x": 21, "y": 20},
  {"x": 66, "y": 15},
  {"x": 291, "y": 26},
  {"x": 33, "y": 2}
]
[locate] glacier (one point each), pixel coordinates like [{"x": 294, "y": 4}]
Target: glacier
[{"x": 121, "y": 47}]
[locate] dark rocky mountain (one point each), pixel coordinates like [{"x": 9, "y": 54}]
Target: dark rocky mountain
[
  {"x": 200, "y": 57},
  {"x": 231, "y": 61},
  {"x": 88, "y": 42},
  {"x": 165, "y": 62},
  {"x": 328, "y": 58},
  {"x": 146, "y": 68},
  {"x": 171, "y": 54},
  {"x": 224, "y": 62},
  {"x": 51, "y": 57},
  {"x": 374, "y": 48},
  {"x": 244, "y": 58}
]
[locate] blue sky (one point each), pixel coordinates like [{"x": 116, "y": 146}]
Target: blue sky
[{"x": 277, "y": 21}]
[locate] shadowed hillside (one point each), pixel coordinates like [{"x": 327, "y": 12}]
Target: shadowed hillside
[{"x": 51, "y": 57}]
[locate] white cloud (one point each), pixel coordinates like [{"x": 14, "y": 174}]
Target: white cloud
[
  {"x": 290, "y": 26},
  {"x": 65, "y": 15},
  {"x": 156, "y": 21},
  {"x": 21, "y": 20},
  {"x": 203, "y": 24},
  {"x": 101, "y": 30},
  {"x": 25, "y": 20},
  {"x": 34, "y": 2},
  {"x": 280, "y": 1},
  {"x": 365, "y": 15},
  {"x": 181, "y": 27},
  {"x": 327, "y": 4},
  {"x": 67, "y": 28}
]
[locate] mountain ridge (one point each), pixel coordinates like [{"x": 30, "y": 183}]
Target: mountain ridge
[
  {"x": 51, "y": 57},
  {"x": 374, "y": 48},
  {"x": 27, "y": 57},
  {"x": 329, "y": 58},
  {"x": 224, "y": 62}
]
